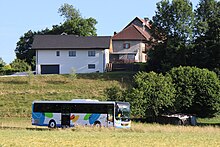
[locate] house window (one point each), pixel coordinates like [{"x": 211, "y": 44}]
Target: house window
[
  {"x": 72, "y": 53},
  {"x": 126, "y": 45},
  {"x": 57, "y": 53},
  {"x": 91, "y": 66},
  {"x": 91, "y": 53}
]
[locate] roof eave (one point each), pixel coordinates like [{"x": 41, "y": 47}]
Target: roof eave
[
  {"x": 59, "y": 48},
  {"x": 129, "y": 40}
]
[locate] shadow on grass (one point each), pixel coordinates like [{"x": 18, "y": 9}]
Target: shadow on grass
[
  {"x": 56, "y": 82},
  {"x": 209, "y": 124},
  {"x": 122, "y": 77},
  {"x": 15, "y": 82},
  {"x": 23, "y": 128},
  {"x": 171, "y": 121}
]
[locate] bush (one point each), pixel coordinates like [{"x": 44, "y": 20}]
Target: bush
[
  {"x": 152, "y": 94},
  {"x": 197, "y": 91},
  {"x": 115, "y": 93},
  {"x": 20, "y": 65},
  {"x": 182, "y": 90},
  {"x": 7, "y": 70}
]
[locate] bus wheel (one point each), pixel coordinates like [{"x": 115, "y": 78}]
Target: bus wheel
[
  {"x": 97, "y": 124},
  {"x": 52, "y": 124}
]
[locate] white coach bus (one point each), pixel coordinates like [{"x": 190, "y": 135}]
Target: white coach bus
[{"x": 81, "y": 112}]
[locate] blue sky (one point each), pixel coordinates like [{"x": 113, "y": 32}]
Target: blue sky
[{"x": 19, "y": 16}]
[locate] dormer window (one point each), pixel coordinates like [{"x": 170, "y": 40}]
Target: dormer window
[{"x": 126, "y": 45}]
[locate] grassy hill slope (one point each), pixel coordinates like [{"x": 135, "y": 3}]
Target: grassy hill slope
[{"x": 17, "y": 93}]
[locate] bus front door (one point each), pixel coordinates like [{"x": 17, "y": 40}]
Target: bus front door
[{"x": 65, "y": 120}]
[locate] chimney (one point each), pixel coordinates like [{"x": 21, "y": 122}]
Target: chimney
[
  {"x": 147, "y": 21},
  {"x": 143, "y": 26},
  {"x": 115, "y": 33}
]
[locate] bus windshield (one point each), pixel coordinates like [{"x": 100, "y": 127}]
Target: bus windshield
[{"x": 122, "y": 111}]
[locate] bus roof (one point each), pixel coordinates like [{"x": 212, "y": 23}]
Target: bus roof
[{"x": 80, "y": 101}]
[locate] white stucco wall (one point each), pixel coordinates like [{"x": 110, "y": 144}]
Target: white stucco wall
[{"x": 79, "y": 63}]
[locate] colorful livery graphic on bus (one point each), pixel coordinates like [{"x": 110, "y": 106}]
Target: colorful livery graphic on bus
[{"x": 81, "y": 112}]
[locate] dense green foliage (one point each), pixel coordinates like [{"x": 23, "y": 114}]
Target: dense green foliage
[
  {"x": 172, "y": 29},
  {"x": 16, "y": 66},
  {"x": 151, "y": 95},
  {"x": 206, "y": 50},
  {"x": 115, "y": 93},
  {"x": 189, "y": 38},
  {"x": 7, "y": 70},
  {"x": 197, "y": 91},
  {"x": 182, "y": 90},
  {"x": 73, "y": 23},
  {"x": 20, "y": 65},
  {"x": 23, "y": 49},
  {"x": 183, "y": 37}
]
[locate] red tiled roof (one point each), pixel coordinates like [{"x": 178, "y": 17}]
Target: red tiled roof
[{"x": 132, "y": 32}]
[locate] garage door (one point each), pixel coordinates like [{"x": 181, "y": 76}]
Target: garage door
[{"x": 50, "y": 69}]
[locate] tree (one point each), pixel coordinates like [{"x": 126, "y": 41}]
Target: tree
[
  {"x": 69, "y": 12},
  {"x": 2, "y": 63},
  {"x": 197, "y": 91},
  {"x": 206, "y": 51},
  {"x": 172, "y": 27},
  {"x": 73, "y": 24},
  {"x": 151, "y": 95},
  {"x": 23, "y": 49}
]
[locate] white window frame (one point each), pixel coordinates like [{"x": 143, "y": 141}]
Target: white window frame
[
  {"x": 91, "y": 53},
  {"x": 72, "y": 53}
]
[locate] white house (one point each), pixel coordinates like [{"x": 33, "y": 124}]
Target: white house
[{"x": 62, "y": 54}]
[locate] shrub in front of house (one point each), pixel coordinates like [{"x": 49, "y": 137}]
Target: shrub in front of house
[
  {"x": 7, "y": 70},
  {"x": 20, "y": 65}
]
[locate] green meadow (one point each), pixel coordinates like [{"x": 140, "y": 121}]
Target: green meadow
[
  {"x": 17, "y": 94},
  {"x": 19, "y": 132}
]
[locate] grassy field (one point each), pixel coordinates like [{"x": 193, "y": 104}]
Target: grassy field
[
  {"x": 17, "y": 93},
  {"x": 19, "y": 132}
]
